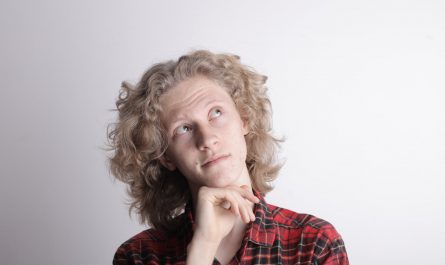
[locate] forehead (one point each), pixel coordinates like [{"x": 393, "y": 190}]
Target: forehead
[{"x": 191, "y": 95}]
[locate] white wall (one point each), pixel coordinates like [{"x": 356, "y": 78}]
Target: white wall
[{"x": 357, "y": 88}]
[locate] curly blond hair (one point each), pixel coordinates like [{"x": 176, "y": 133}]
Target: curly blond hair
[{"x": 138, "y": 139}]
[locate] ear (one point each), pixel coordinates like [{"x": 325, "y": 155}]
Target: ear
[
  {"x": 167, "y": 163},
  {"x": 245, "y": 127}
]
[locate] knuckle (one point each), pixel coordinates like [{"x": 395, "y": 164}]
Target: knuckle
[
  {"x": 203, "y": 191},
  {"x": 232, "y": 193}
]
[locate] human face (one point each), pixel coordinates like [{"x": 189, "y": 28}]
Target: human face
[{"x": 206, "y": 134}]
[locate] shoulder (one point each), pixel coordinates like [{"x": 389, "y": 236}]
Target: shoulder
[
  {"x": 310, "y": 233},
  {"x": 149, "y": 238},
  {"x": 138, "y": 247},
  {"x": 308, "y": 223},
  {"x": 149, "y": 245}
]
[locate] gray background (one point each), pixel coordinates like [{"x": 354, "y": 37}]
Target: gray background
[{"x": 357, "y": 89}]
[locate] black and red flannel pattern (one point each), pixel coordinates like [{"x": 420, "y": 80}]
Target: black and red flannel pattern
[{"x": 277, "y": 236}]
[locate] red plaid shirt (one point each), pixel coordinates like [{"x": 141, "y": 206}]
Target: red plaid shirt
[{"x": 277, "y": 236}]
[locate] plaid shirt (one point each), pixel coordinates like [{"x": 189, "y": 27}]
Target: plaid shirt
[{"x": 277, "y": 236}]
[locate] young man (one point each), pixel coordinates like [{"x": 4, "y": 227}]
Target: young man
[{"x": 193, "y": 142}]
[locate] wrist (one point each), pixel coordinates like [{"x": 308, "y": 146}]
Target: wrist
[
  {"x": 205, "y": 242},
  {"x": 201, "y": 250}
]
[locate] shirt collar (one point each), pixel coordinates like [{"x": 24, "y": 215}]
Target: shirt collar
[{"x": 262, "y": 231}]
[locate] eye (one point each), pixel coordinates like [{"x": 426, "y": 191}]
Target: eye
[
  {"x": 182, "y": 129},
  {"x": 215, "y": 113}
]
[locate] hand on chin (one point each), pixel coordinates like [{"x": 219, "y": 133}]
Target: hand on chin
[{"x": 217, "y": 209}]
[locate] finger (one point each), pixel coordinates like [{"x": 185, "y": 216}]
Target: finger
[
  {"x": 252, "y": 216},
  {"x": 247, "y": 212},
  {"x": 247, "y": 193},
  {"x": 225, "y": 205},
  {"x": 230, "y": 199},
  {"x": 236, "y": 209},
  {"x": 244, "y": 210}
]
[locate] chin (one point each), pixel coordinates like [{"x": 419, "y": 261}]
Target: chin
[{"x": 222, "y": 181}]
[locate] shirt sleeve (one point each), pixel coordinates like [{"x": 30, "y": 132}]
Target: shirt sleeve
[
  {"x": 121, "y": 257},
  {"x": 331, "y": 251}
]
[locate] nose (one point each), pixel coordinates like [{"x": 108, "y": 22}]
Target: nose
[{"x": 206, "y": 137}]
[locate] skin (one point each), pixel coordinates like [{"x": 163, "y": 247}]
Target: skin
[{"x": 207, "y": 145}]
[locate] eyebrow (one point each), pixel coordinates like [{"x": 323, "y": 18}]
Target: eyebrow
[
  {"x": 179, "y": 117},
  {"x": 211, "y": 102}
]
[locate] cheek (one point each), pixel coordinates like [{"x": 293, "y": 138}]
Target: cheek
[
  {"x": 239, "y": 142},
  {"x": 172, "y": 154},
  {"x": 240, "y": 133},
  {"x": 176, "y": 155}
]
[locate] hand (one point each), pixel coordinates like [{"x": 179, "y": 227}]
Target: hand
[
  {"x": 216, "y": 212},
  {"x": 218, "y": 208}
]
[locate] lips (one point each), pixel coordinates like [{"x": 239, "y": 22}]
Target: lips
[{"x": 214, "y": 159}]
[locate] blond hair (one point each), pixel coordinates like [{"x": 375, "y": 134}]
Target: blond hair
[{"x": 138, "y": 139}]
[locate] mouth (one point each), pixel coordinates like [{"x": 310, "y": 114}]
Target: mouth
[{"x": 214, "y": 159}]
